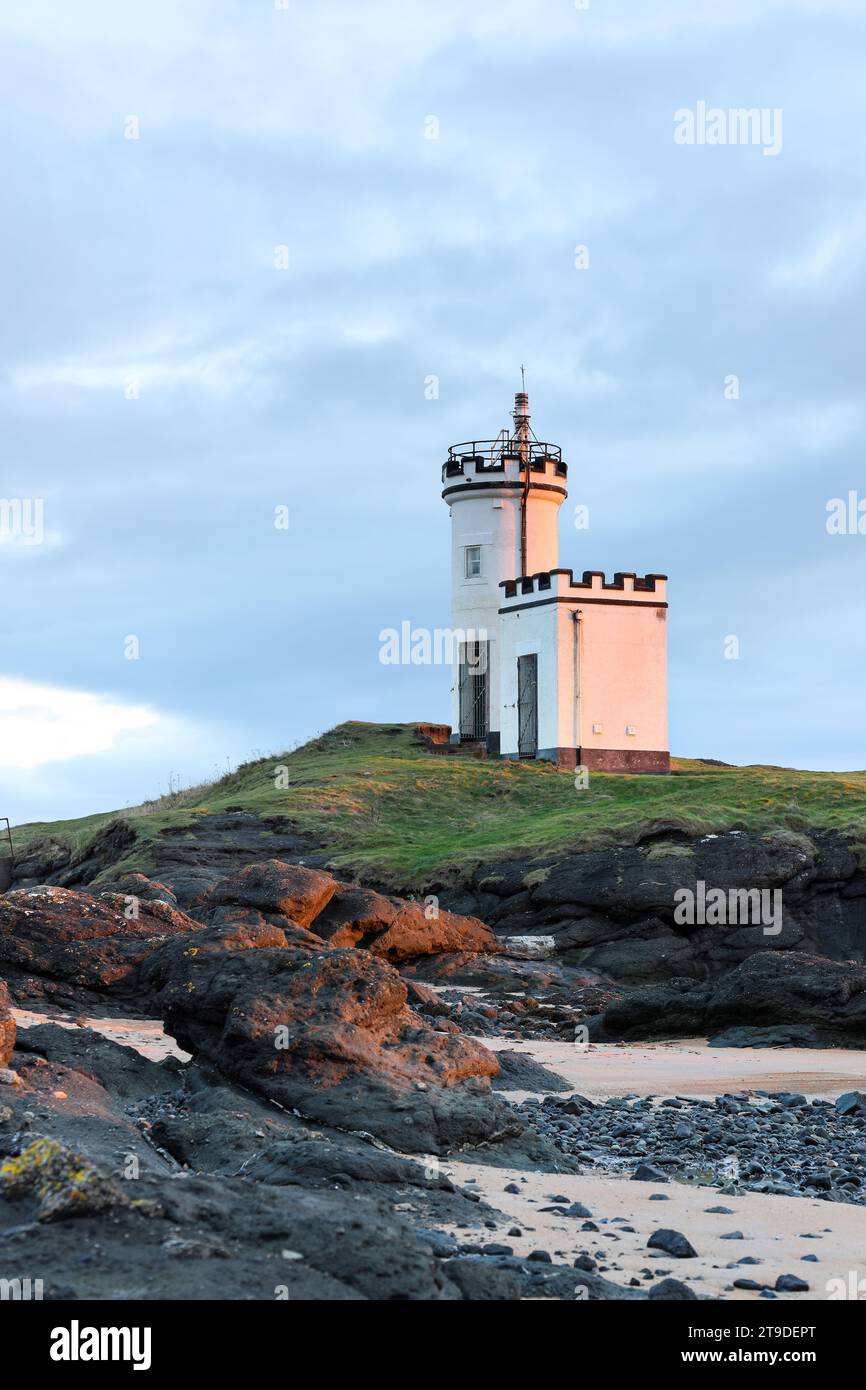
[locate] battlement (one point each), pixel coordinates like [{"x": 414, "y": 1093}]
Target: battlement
[
  {"x": 561, "y": 584},
  {"x": 490, "y": 456}
]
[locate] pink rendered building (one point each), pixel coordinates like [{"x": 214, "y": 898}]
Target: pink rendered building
[{"x": 546, "y": 666}]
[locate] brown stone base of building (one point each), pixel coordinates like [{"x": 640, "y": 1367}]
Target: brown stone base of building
[{"x": 610, "y": 759}]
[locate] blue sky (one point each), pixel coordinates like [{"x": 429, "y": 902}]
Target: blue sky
[{"x": 165, "y": 385}]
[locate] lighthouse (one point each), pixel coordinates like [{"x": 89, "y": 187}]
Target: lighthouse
[
  {"x": 504, "y": 495},
  {"x": 546, "y": 666}
]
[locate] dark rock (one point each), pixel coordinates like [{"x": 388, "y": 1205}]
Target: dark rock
[
  {"x": 308, "y": 1162},
  {"x": 645, "y": 1172},
  {"x": 134, "y": 885},
  {"x": 673, "y": 1243},
  {"x": 275, "y": 886},
  {"x": 86, "y": 941},
  {"x": 793, "y": 1035},
  {"x": 766, "y": 990},
  {"x": 480, "y": 1281},
  {"x": 851, "y": 1103},
  {"x": 396, "y": 929},
  {"x": 791, "y": 1283},
  {"x": 123, "y": 1071},
  {"x": 519, "y": 1072},
  {"x": 330, "y": 1034},
  {"x": 671, "y": 1289},
  {"x": 7, "y": 1027}
]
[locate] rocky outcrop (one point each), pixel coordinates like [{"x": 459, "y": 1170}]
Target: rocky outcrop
[
  {"x": 328, "y": 1033},
  {"x": 189, "y": 857},
  {"x": 343, "y": 914},
  {"x": 399, "y": 930},
  {"x": 769, "y": 990},
  {"x": 274, "y": 886},
  {"x": 81, "y": 940},
  {"x": 615, "y": 910},
  {"x": 94, "y": 940},
  {"x": 7, "y": 1026}
]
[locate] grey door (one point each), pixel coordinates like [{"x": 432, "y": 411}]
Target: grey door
[
  {"x": 474, "y": 698},
  {"x": 527, "y": 706}
]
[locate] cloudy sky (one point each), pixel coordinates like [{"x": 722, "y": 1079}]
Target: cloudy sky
[{"x": 237, "y": 311}]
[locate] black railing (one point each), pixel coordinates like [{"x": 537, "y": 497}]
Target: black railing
[
  {"x": 494, "y": 450},
  {"x": 489, "y": 455}
]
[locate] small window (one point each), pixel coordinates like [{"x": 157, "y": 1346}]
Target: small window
[{"x": 473, "y": 561}]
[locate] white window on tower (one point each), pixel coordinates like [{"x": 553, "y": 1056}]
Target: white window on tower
[{"x": 473, "y": 561}]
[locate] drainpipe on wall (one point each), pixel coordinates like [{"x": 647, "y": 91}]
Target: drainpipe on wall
[
  {"x": 578, "y": 710},
  {"x": 521, "y": 434}
]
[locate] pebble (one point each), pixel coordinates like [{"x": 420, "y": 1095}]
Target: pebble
[{"x": 776, "y": 1142}]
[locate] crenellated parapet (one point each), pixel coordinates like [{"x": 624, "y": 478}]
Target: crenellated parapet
[{"x": 593, "y": 586}]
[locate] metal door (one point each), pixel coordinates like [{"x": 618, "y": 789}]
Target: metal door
[
  {"x": 527, "y": 705},
  {"x": 474, "y": 699}
]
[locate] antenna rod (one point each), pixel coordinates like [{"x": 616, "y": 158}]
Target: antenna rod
[{"x": 521, "y": 434}]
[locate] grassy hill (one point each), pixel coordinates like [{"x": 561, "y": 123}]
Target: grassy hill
[{"x": 380, "y": 803}]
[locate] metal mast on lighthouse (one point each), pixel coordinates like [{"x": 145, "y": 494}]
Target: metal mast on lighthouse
[{"x": 521, "y": 435}]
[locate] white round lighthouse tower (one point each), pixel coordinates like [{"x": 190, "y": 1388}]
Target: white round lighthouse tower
[{"x": 504, "y": 495}]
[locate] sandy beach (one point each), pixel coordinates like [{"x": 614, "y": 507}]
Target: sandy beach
[
  {"x": 778, "y": 1231},
  {"x": 691, "y": 1068}
]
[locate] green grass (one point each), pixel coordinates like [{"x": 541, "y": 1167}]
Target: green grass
[{"x": 382, "y": 805}]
